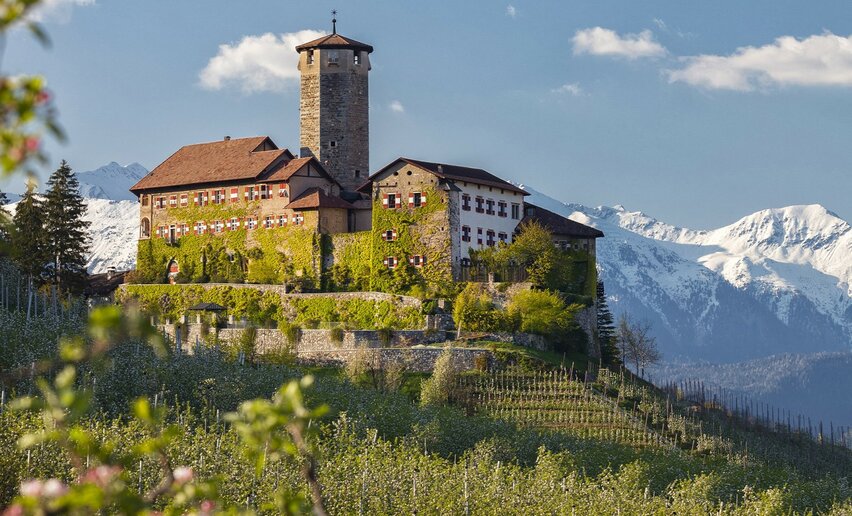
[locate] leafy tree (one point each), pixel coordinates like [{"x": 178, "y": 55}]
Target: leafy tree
[
  {"x": 28, "y": 240},
  {"x": 636, "y": 344},
  {"x": 67, "y": 238},
  {"x": 438, "y": 388},
  {"x": 606, "y": 330},
  {"x": 474, "y": 310}
]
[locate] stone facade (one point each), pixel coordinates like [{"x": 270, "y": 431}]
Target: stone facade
[{"x": 334, "y": 112}]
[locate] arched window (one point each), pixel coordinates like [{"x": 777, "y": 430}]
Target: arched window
[{"x": 145, "y": 228}]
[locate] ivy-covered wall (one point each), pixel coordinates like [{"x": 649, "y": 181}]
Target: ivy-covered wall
[
  {"x": 420, "y": 231},
  {"x": 354, "y": 311},
  {"x": 346, "y": 261}
]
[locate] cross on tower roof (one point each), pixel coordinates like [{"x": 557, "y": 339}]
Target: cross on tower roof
[{"x": 334, "y": 21}]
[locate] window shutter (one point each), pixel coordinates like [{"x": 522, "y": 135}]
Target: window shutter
[
  {"x": 423, "y": 260},
  {"x": 423, "y": 199},
  {"x": 411, "y": 260},
  {"x": 411, "y": 200},
  {"x": 385, "y": 262},
  {"x": 393, "y": 235},
  {"x": 385, "y": 201}
]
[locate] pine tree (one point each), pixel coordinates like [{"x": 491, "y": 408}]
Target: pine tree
[
  {"x": 67, "y": 237},
  {"x": 606, "y": 329},
  {"x": 27, "y": 237},
  {"x": 5, "y": 223}
]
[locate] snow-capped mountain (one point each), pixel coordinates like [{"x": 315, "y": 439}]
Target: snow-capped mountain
[
  {"x": 111, "y": 181},
  {"x": 775, "y": 281}
]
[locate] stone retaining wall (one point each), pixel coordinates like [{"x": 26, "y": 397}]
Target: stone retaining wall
[{"x": 417, "y": 359}]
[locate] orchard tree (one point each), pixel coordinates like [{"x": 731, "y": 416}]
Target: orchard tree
[
  {"x": 66, "y": 231},
  {"x": 27, "y": 238},
  {"x": 636, "y": 344}
]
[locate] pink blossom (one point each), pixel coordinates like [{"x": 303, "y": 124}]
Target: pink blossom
[
  {"x": 31, "y": 488},
  {"x": 102, "y": 475},
  {"x": 182, "y": 475},
  {"x": 54, "y": 488},
  {"x": 32, "y": 143},
  {"x": 14, "y": 510}
]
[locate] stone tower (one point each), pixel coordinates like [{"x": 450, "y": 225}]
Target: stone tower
[{"x": 334, "y": 106}]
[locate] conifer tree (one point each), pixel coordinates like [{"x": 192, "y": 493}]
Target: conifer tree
[
  {"x": 5, "y": 223},
  {"x": 27, "y": 237},
  {"x": 606, "y": 329},
  {"x": 67, "y": 237}
]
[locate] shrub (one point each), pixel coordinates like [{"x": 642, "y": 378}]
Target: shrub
[
  {"x": 337, "y": 334},
  {"x": 290, "y": 331},
  {"x": 437, "y": 389},
  {"x": 473, "y": 310}
]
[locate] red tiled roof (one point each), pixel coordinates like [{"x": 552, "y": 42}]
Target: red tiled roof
[
  {"x": 314, "y": 198},
  {"x": 214, "y": 162},
  {"x": 334, "y": 41},
  {"x": 453, "y": 173}
]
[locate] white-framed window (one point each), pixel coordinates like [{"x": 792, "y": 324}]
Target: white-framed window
[
  {"x": 235, "y": 194},
  {"x": 333, "y": 57},
  {"x": 390, "y": 235},
  {"x": 465, "y": 232},
  {"x": 251, "y": 223},
  {"x": 480, "y": 205},
  {"x": 479, "y": 236},
  {"x": 489, "y": 238},
  {"x": 310, "y": 57},
  {"x": 465, "y": 202},
  {"x": 356, "y": 58},
  {"x": 391, "y": 262},
  {"x": 282, "y": 190},
  {"x": 516, "y": 211},
  {"x": 298, "y": 219},
  {"x": 173, "y": 201},
  {"x": 418, "y": 260},
  {"x": 184, "y": 200},
  {"x": 200, "y": 227},
  {"x": 391, "y": 200},
  {"x": 502, "y": 237},
  {"x": 282, "y": 221},
  {"x": 269, "y": 222}
]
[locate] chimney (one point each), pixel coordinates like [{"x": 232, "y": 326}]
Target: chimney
[{"x": 227, "y": 138}]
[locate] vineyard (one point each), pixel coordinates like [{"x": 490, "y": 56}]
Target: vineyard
[{"x": 620, "y": 408}]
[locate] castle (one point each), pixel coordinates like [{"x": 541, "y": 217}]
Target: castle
[{"x": 243, "y": 209}]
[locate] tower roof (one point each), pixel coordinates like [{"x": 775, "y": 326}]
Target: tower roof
[{"x": 334, "y": 41}]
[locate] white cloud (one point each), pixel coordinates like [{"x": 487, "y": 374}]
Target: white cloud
[
  {"x": 819, "y": 60},
  {"x": 573, "y": 89},
  {"x": 660, "y": 24},
  {"x": 397, "y": 107},
  {"x": 257, "y": 63},
  {"x": 605, "y": 42},
  {"x": 511, "y": 12},
  {"x": 58, "y": 11}
]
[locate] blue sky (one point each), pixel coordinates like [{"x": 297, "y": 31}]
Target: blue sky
[{"x": 694, "y": 112}]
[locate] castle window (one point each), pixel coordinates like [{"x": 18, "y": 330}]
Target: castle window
[
  {"x": 269, "y": 222},
  {"x": 333, "y": 57},
  {"x": 479, "y": 205},
  {"x": 233, "y": 224},
  {"x": 465, "y": 233},
  {"x": 357, "y": 173},
  {"x": 200, "y": 227},
  {"x": 298, "y": 219},
  {"x": 310, "y": 57},
  {"x": 418, "y": 260},
  {"x": 489, "y": 238},
  {"x": 249, "y": 193},
  {"x": 465, "y": 202},
  {"x": 282, "y": 221},
  {"x": 282, "y": 190},
  {"x": 145, "y": 229},
  {"x": 356, "y": 59},
  {"x": 501, "y": 209},
  {"x": 390, "y": 262},
  {"x": 391, "y": 200},
  {"x": 173, "y": 200},
  {"x": 502, "y": 237},
  {"x": 251, "y": 223},
  {"x": 479, "y": 236},
  {"x": 144, "y": 200},
  {"x": 161, "y": 202},
  {"x": 390, "y": 235},
  {"x": 489, "y": 207},
  {"x": 516, "y": 211},
  {"x": 184, "y": 229},
  {"x": 264, "y": 192},
  {"x": 416, "y": 200},
  {"x": 184, "y": 200},
  {"x": 332, "y": 143}
]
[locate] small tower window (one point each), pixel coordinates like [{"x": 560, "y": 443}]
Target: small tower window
[
  {"x": 356, "y": 58},
  {"x": 332, "y": 143},
  {"x": 310, "y": 57},
  {"x": 333, "y": 57},
  {"x": 357, "y": 173}
]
